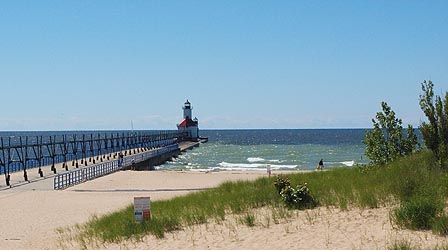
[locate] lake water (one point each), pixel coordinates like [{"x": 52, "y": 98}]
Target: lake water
[{"x": 297, "y": 149}]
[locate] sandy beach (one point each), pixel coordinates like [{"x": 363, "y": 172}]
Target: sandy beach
[
  {"x": 31, "y": 215},
  {"x": 321, "y": 228}
]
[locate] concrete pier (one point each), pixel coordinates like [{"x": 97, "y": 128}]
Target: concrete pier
[
  {"x": 148, "y": 164},
  {"x": 161, "y": 159},
  {"x": 184, "y": 146}
]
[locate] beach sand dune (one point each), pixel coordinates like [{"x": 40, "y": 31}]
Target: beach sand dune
[
  {"x": 32, "y": 214},
  {"x": 321, "y": 228}
]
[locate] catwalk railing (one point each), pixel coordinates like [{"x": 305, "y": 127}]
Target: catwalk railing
[
  {"x": 71, "y": 178},
  {"x": 21, "y": 153}
]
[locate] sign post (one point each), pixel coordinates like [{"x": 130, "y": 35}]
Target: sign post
[{"x": 142, "y": 209}]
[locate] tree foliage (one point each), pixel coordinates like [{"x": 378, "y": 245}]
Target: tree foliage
[
  {"x": 386, "y": 142},
  {"x": 435, "y": 133}
]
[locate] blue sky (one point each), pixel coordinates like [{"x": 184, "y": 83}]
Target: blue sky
[{"x": 81, "y": 65}]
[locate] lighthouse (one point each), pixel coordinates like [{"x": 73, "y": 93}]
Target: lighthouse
[{"x": 187, "y": 124}]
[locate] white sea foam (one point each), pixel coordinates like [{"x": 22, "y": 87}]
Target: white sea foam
[
  {"x": 253, "y": 166},
  {"x": 241, "y": 165},
  {"x": 348, "y": 163},
  {"x": 275, "y": 161},
  {"x": 203, "y": 169},
  {"x": 255, "y": 159},
  {"x": 339, "y": 163},
  {"x": 259, "y": 159},
  {"x": 243, "y": 169}
]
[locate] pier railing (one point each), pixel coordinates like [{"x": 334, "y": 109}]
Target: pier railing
[
  {"x": 71, "y": 178},
  {"x": 21, "y": 153}
]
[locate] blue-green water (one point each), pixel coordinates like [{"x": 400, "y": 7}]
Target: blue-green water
[{"x": 281, "y": 149}]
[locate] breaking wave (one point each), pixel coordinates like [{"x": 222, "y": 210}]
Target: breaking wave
[
  {"x": 255, "y": 159},
  {"x": 253, "y": 166},
  {"x": 348, "y": 163}
]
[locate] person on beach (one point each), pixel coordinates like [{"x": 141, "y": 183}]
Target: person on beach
[
  {"x": 320, "y": 165},
  {"x": 268, "y": 169},
  {"x": 120, "y": 159}
]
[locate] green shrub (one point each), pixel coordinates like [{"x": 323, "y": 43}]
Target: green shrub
[
  {"x": 417, "y": 213},
  {"x": 281, "y": 183},
  {"x": 299, "y": 198}
]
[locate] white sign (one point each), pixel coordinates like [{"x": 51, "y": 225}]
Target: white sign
[{"x": 142, "y": 209}]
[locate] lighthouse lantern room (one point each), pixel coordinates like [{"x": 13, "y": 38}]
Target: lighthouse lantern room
[{"x": 189, "y": 125}]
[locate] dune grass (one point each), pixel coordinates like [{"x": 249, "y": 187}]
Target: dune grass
[
  {"x": 397, "y": 183},
  {"x": 407, "y": 245},
  {"x": 401, "y": 245},
  {"x": 440, "y": 225}
]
